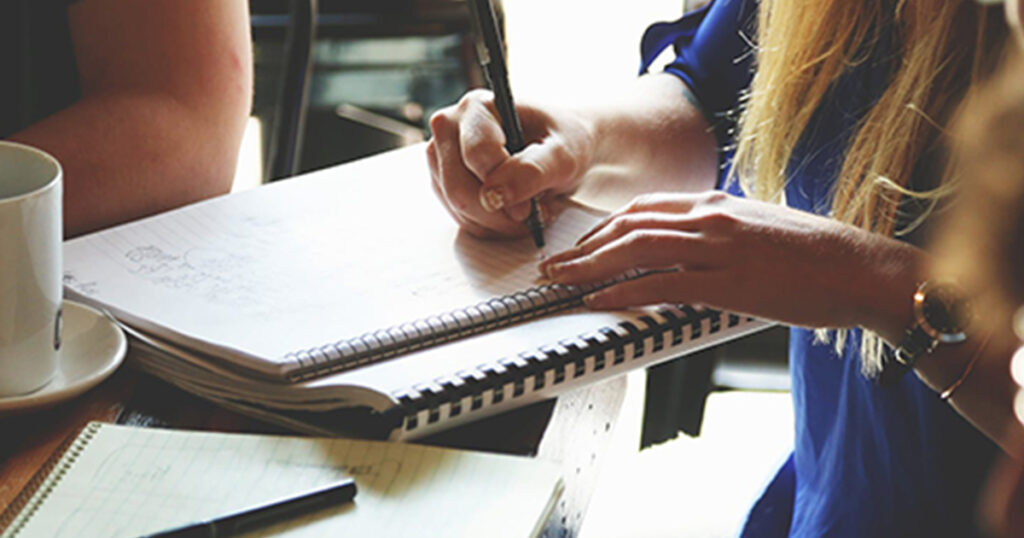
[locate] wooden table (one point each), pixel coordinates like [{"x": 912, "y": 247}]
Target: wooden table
[{"x": 575, "y": 430}]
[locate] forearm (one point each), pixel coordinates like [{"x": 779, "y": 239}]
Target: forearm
[
  {"x": 129, "y": 155},
  {"x": 652, "y": 139},
  {"x": 166, "y": 87},
  {"x": 986, "y": 396}
]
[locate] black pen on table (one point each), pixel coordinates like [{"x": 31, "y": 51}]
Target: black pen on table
[
  {"x": 491, "y": 54},
  {"x": 266, "y": 514}
]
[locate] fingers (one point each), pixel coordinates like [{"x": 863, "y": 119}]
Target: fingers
[
  {"x": 657, "y": 288},
  {"x": 677, "y": 203},
  {"x": 643, "y": 249},
  {"x": 541, "y": 166},
  {"x": 696, "y": 246},
  {"x": 480, "y": 137},
  {"x": 630, "y": 222},
  {"x": 456, "y": 185},
  {"x": 480, "y": 183},
  {"x": 656, "y": 232},
  {"x": 461, "y": 216},
  {"x": 470, "y": 227}
]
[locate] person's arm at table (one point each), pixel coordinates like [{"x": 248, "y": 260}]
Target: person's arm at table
[
  {"x": 166, "y": 88},
  {"x": 787, "y": 265},
  {"x": 653, "y": 138}
]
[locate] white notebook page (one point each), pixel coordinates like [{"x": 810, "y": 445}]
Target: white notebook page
[
  {"x": 131, "y": 481},
  {"x": 304, "y": 263}
]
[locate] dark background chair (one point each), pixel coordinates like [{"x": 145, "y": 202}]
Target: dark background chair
[{"x": 338, "y": 80}]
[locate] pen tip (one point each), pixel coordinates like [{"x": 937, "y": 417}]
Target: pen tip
[
  {"x": 535, "y": 224},
  {"x": 538, "y": 238}
]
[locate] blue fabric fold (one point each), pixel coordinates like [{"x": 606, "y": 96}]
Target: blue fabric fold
[{"x": 660, "y": 35}]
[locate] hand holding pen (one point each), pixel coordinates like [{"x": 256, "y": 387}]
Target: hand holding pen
[
  {"x": 484, "y": 184},
  {"x": 491, "y": 51}
]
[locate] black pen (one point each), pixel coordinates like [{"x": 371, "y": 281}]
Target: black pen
[
  {"x": 267, "y": 514},
  {"x": 492, "y": 58}
]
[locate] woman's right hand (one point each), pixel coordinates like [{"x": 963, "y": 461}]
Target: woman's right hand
[{"x": 487, "y": 190}]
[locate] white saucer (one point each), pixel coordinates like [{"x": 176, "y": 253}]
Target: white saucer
[{"x": 92, "y": 348}]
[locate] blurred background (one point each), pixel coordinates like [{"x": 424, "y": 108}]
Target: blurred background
[{"x": 380, "y": 68}]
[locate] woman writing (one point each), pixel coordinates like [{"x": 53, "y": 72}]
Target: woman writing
[{"x": 831, "y": 127}]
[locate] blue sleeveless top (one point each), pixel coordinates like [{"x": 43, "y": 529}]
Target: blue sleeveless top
[{"x": 868, "y": 460}]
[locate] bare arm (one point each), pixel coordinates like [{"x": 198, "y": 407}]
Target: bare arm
[
  {"x": 166, "y": 87},
  {"x": 784, "y": 264},
  {"x": 653, "y": 140},
  {"x": 986, "y": 395}
]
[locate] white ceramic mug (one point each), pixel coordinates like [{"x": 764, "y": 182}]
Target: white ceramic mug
[{"x": 31, "y": 264}]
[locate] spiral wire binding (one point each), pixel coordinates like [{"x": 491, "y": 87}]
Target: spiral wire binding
[
  {"x": 606, "y": 347},
  {"x": 484, "y": 316},
  {"x": 34, "y": 494}
]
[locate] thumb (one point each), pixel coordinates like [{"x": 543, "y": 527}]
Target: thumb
[{"x": 543, "y": 166}]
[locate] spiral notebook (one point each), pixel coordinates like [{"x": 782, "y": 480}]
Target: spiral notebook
[
  {"x": 113, "y": 481},
  {"x": 353, "y": 288}
]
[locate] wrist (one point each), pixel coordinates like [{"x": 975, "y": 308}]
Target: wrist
[
  {"x": 942, "y": 314},
  {"x": 591, "y": 129},
  {"x": 888, "y": 282},
  {"x": 607, "y": 130}
]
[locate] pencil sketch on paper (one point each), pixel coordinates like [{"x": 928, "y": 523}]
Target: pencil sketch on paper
[
  {"x": 218, "y": 277},
  {"x": 90, "y": 287}
]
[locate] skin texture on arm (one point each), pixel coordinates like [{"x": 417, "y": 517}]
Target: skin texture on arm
[
  {"x": 166, "y": 89},
  {"x": 783, "y": 264},
  {"x": 644, "y": 148},
  {"x": 786, "y": 265},
  {"x": 653, "y": 138}
]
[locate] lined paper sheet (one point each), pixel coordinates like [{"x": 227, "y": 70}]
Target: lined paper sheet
[
  {"x": 131, "y": 481},
  {"x": 303, "y": 263}
]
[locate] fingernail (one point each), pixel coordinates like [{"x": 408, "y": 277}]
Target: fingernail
[
  {"x": 492, "y": 199},
  {"x": 545, "y": 269},
  {"x": 584, "y": 237},
  {"x": 590, "y": 299},
  {"x": 551, "y": 269}
]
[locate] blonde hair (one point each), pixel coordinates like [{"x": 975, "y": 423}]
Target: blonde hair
[{"x": 941, "y": 48}]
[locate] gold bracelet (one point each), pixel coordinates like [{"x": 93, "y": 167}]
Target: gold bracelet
[{"x": 948, "y": 393}]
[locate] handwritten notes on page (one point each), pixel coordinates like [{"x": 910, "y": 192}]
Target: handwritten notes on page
[
  {"x": 123, "y": 481},
  {"x": 303, "y": 263}
]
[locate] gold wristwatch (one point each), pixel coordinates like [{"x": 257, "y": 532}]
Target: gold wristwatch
[{"x": 942, "y": 314}]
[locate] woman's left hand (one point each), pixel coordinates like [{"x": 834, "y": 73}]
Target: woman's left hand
[{"x": 747, "y": 256}]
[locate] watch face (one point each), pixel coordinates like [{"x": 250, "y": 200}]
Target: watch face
[{"x": 942, "y": 310}]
